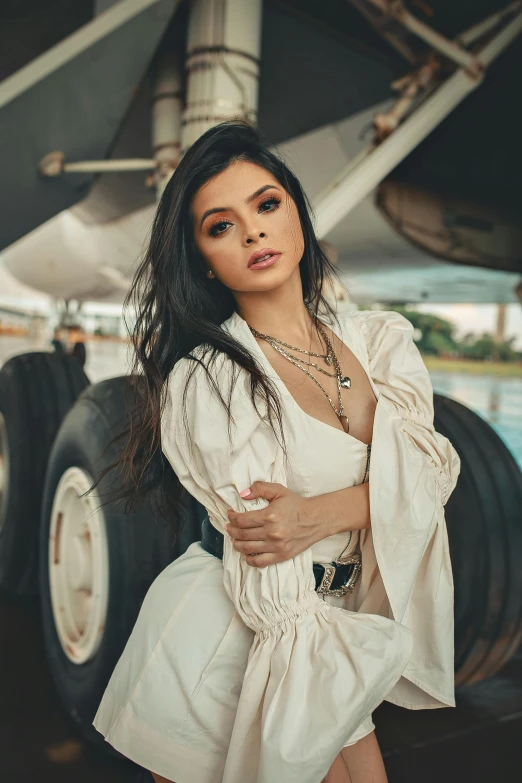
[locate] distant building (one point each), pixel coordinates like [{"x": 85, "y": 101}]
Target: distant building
[{"x": 22, "y": 323}]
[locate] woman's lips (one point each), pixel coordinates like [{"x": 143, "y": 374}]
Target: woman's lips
[{"x": 267, "y": 262}]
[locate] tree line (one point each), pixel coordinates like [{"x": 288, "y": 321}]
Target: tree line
[{"x": 435, "y": 336}]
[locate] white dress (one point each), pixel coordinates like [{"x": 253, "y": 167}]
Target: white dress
[{"x": 237, "y": 674}]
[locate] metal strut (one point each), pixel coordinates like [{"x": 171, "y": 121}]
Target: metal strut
[{"x": 394, "y": 140}]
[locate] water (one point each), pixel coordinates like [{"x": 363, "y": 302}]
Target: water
[{"x": 497, "y": 400}]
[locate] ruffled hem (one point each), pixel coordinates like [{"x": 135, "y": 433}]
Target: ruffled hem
[
  {"x": 291, "y": 611},
  {"x": 334, "y": 667}
]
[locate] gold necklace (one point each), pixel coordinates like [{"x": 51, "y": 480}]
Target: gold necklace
[{"x": 330, "y": 357}]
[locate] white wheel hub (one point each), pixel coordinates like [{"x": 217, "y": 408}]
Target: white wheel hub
[{"x": 78, "y": 566}]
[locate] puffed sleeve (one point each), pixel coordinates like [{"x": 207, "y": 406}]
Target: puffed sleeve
[
  {"x": 314, "y": 671},
  {"x": 414, "y": 470}
]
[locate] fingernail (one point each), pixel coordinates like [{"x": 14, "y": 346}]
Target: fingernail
[{"x": 245, "y": 493}]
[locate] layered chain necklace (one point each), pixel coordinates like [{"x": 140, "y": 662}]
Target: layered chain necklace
[{"x": 343, "y": 382}]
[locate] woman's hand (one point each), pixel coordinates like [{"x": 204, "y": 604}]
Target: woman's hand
[{"x": 276, "y": 533}]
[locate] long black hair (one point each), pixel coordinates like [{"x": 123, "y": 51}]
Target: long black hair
[{"x": 179, "y": 308}]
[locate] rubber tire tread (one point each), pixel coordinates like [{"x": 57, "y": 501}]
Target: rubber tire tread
[
  {"x": 36, "y": 391},
  {"x": 140, "y": 546},
  {"x": 484, "y": 521}
]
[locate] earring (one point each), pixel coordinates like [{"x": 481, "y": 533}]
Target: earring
[{"x": 210, "y": 273}]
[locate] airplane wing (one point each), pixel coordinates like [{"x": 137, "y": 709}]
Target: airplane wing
[
  {"x": 72, "y": 97},
  {"x": 326, "y": 68}
]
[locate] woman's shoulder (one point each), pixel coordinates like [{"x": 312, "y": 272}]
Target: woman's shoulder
[
  {"x": 395, "y": 362},
  {"x": 381, "y": 329},
  {"x": 205, "y": 376},
  {"x": 201, "y": 359},
  {"x": 208, "y": 400},
  {"x": 378, "y": 322},
  {"x": 206, "y": 361}
]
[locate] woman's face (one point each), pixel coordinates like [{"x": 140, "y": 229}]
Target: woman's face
[{"x": 242, "y": 210}]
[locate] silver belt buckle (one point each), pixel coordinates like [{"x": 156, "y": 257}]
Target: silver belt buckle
[{"x": 330, "y": 571}]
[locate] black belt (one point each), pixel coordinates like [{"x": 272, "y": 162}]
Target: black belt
[{"x": 336, "y": 578}]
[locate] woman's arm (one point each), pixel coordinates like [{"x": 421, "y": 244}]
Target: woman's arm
[
  {"x": 346, "y": 509},
  {"x": 291, "y": 523}
]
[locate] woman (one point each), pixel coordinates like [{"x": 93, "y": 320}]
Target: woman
[{"x": 309, "y": 439}]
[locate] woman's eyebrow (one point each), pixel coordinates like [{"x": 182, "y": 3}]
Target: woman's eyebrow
[{"x": 247, "y": 201}]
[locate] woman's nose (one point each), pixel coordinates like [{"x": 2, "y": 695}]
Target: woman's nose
[{"x": 253, "y": 235}]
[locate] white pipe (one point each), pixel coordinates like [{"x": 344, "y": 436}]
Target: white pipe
[
  {"x": 222, "y": 64},
  {"x": 501, "y": 41},
  {"x": 166, "y": 119},
  {"x": 345, "y": 192},
  {"x": 448, "y": 48},
  {"x": 478, "y": 30},
  {"x": 374, "y": 19},
  {"x": 102, "y": 166}
]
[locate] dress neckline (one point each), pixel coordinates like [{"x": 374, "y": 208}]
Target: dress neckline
[{"x": 342, "y": 332}]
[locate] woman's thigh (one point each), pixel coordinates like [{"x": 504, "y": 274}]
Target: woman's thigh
[
  {"x": 364, "y": 762},
  {"x": 339, "y": 771}
]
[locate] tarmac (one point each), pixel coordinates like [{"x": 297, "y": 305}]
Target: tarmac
[{"x": 480, "y": 739}]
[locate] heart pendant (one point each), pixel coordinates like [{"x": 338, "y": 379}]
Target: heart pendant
[
  {"x": 346, "y": 383},
  {"x": 344, "y": 422}
]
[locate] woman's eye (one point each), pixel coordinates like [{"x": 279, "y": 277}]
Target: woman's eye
[
  {"x": 219, "y": 228},
  {"x": 274, "y": 202},
  {"x": 216, "y": 230}
]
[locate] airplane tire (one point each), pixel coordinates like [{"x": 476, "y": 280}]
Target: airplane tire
[
  {"x": 96, "y": 563},
  {"x": 484, "y": 521},
  {"x": 36, "y": 391}
]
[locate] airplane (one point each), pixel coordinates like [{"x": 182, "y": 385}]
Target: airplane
[{"x": 400, "y": 121}]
